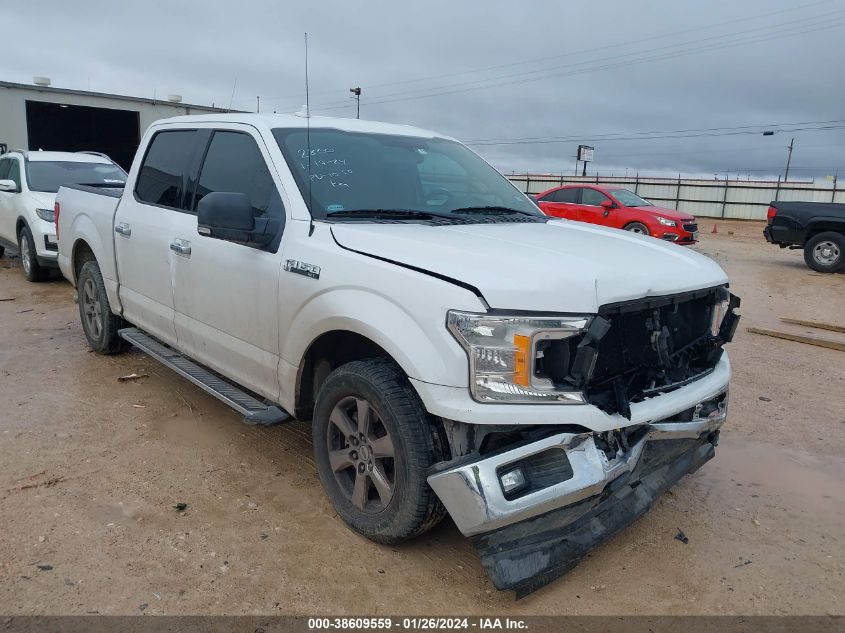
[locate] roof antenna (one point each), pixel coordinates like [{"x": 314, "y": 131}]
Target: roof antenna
[
  {"x": 232, "y": 98},
  {"x": 308, "y": 138}
]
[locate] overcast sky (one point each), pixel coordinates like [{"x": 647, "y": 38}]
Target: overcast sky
[{"x": 483, "y": 71}]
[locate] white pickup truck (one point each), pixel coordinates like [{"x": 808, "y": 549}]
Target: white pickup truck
[{"x": 541, "y": 381}]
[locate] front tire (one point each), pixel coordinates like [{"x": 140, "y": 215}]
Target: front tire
[
  {"x": 98, "y": 322},
  {"x": 825, "y": 252},
  {"x": 637, "y": 227},
  {"x": 373, "y": 444},
  {"x": 29, "y": 260}
]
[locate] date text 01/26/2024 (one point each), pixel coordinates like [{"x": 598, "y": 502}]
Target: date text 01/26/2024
[{"x": 416, "y": 624}]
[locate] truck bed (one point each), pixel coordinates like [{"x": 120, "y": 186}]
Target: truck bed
[
  {"x": 111, "y": 191},
  {"x": 795, "y": 222},
  {"x": 87, "y": 215}
]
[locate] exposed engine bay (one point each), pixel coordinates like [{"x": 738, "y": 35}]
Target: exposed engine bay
[{"x": 635, "y": 350}]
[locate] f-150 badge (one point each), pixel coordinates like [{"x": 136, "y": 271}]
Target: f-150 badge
[{"x": 301, "y": 268}]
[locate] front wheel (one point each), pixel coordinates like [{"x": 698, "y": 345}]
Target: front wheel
[
  {"x": 29, "y": 260},
  {"x": 637, "y": 227},
  {"x": 373, "y": 444},
  {"x": 825, "y": 252},
  {"x": 99, "y": 324}
]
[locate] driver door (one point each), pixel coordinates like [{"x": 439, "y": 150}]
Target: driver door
[{"x": 226, "y": 293}]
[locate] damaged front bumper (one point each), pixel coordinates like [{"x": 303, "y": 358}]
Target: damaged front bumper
[{"x": 577, "y": 490}]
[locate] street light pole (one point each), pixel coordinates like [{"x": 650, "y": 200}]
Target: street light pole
[
  {"x": 357, "y": 92},
  {"x": 788, "y": 160},
  {"x": 788, "y": 156}
]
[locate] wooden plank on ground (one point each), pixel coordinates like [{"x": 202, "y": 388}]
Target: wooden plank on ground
[
  {"x": 816, "y": 324},
  {"x": 800, "y": 338}
]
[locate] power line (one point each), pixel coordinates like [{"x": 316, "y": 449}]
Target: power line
[
  {"x": 820, "y": 168},
  {"x": 600, "y": 136},
  {"x": 649, "y": 138},
  {"x": 820, "y": 22},
  {"x": 609, "y": 157},
  {"x": 614, "y": 46},
  {"x": 815, "y": 20}
]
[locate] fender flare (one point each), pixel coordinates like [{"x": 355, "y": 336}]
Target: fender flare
[{"x": 19, "y": 222}]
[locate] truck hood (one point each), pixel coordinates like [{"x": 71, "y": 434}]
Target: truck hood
[{"x": 558, "y": 266}]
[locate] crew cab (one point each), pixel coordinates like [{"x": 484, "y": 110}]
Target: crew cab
[
  {"x": 620, "y": 209},
  {"x": 28, "y": 185},
  {"x": 542, "y": 381},
  {"x": 816, "y": 227}
]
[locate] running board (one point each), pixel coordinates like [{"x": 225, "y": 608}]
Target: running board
[{"x": 253, "y": 410}]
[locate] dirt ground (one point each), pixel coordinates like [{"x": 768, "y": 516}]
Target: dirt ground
[{"x": 90, "y": 469}]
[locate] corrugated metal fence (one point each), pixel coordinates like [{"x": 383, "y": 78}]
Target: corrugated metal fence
[{"x": 737, "y": 199}]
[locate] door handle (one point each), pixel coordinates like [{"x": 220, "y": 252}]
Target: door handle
[
  {"x": 181, "y": 247},
  {"x": 123, "y": 228}
]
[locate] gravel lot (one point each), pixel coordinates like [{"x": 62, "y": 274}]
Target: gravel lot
[{"x": 91, "y": 469}]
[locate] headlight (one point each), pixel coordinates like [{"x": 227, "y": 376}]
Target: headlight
[
  {"x": 665, "y": 221},
  {"x": 506, "y": 355},
  {"x": 719, "y": 310},
  {"x": 48, "y": 215}
]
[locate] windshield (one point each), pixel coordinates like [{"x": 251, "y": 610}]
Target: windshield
[
  {"x": 629, "y": 198},
  {"x": 362, "y": 172},
  {"x": 48, "y": 176}
]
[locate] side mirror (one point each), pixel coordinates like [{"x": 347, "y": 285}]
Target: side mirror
[
  {"x": 229, "y": 216},
  {"x": 608, "y": 205},
  {"x": 10, "y": 186}
]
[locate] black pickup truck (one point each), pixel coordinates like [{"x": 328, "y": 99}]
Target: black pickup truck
[{"x": 817, "y": 227}]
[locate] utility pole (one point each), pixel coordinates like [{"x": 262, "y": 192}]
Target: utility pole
[
  {"x": 788, "y": 156},
  {"x": 357, "y": 92},
  {"x": 788, "y": 160}
]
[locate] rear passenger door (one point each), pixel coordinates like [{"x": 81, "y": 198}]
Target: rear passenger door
[
  {"x": 561, "y": 203},
  {"x": 145, "y": 224},
  {"x": 226, "y": 293}
]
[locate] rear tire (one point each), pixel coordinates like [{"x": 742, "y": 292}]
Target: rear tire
[
  {"x": 98, "y": 322},
  {"x": 373, "y": 444},
  {"x": 825, "y": 252},
  {"x": 637, "y": 227},
  {"x": 29, "y": 260}
]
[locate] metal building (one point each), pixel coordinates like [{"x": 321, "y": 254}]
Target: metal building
[{"x": 42, "y": 117}]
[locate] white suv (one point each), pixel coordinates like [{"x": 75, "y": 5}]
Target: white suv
[{"x": 28, "y": 185}]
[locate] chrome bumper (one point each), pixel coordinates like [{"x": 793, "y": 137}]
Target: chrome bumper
[{"x": 473, "y": 495}]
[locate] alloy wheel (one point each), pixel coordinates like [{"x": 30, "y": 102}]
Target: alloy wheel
[
  {"x": 91, "y": 309},
  {"x": 25, "y": 253},
  {"x": 361, "y": 454}
]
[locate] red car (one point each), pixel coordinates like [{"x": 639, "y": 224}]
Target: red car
[{"x": 620, "y": 209}]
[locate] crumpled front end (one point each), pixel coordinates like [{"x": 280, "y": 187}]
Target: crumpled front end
[{"x": 535, "y": 509}]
